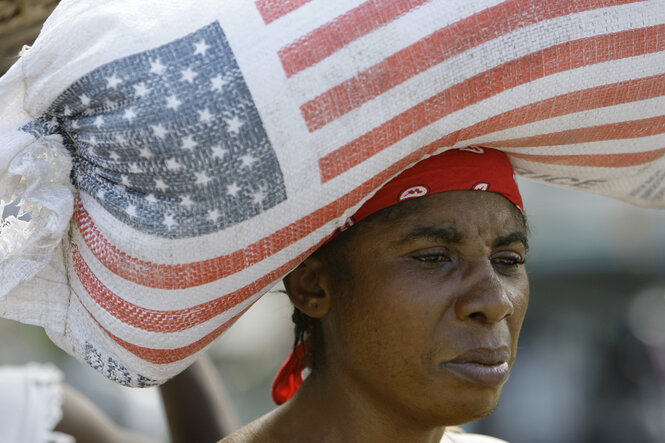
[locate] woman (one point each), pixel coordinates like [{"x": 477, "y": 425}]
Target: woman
[{"x": 411, "y": 316}]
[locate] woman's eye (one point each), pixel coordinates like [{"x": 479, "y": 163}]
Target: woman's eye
[
  {"x": 432, "y": 258},
  {"x": 508, "y": 260}
]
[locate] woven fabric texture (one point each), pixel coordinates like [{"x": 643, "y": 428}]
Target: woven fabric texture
[{"x": 173, "y": 162}]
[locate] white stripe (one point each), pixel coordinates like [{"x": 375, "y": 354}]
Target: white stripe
[
  {"x": 622, "y": 113},
  {"x": 466, "y": 65},
  {"x": 605, "y": 147},
  {"x": 145, "y": 247},
  {"x": 305, "y": 19},
  {"x": 384, "y": 41},
  {"x": 627, "y": 184},
  {"x": 83, "y": 329}
]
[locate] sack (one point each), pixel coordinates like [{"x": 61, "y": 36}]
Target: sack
[{"x": 202, "y": 151}]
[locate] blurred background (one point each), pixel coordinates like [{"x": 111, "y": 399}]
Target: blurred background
[{"x": 591, "y": 365}]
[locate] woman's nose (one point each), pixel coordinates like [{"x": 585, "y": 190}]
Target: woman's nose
[{"x": 485, "y": 298}]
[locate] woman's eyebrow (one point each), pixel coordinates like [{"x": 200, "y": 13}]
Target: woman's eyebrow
[
  {"x": 447, "y": 235},
  {"x": 513, "y": 237}
]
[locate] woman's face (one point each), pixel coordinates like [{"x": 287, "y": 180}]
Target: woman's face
[{"x": 428, "y": 321}]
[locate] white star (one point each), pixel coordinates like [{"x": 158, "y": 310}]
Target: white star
[
  {"x": 145, "y": 153},
  {"x": 188, "y": 143},
  {"x": 187, "y": 202},
  {"x": 157, "y": 67},
  {"x": 114, "y": 155},
  {"x": 112, "y": 81},
  {"x": 201, "y": 47},
  {"x": 150, "y": 198},
  {"x": 219, "y": 152},
  {"x": 248, "y": 160},
  {"x": 75, "y": 124},
  {"x": 92, "y": 140},
  {"x": 129, "y": 114},
  {"x": 213, "y": 215},
  {"x": 202, "y": 178},
  {"x": 188, "y": 75},
  {"x": 99, "y": 121},
  {"x": 159, "y": 130},
  {"x": 131, "y": 210},
  {"x": 53, "y": 122},
  {"x": 258, "y": 197},
  {"x": 172, "y": 164},
  {"x": 159, "y": 184},
  {"x": 205, "y": 116},
  {"x": 85, "y": 101},
  {"x": 234, "y": 124},
  {"x": 134, "y": 168},
  {"x": 67, "y": 111},
  {"x": 172, "y": 102},
  {"x": 233, "y": 189},
  {"x": 169, "y": 221},
  {"x": 125, "y": 181},
  {"x": 141, "y": 90},
  {"x": 218, "y": 83}
]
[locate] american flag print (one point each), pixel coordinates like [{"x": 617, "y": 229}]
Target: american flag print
[
  {"x": 210, "y": 165},
  {"x": 169, "y": 140}
]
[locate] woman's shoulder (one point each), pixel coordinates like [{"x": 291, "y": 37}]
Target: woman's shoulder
[
  {"x": 457, "y": 435},
  {"x": 251, "y": 433},
  {"x": 261, "y": 430}
]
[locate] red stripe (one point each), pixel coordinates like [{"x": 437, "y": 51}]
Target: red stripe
[
  {"x": 181, "y": 276},
  {"x": 595, "y": 160},
  {"x": 187, "y": 275},
  {"x": 436, "y": 48},
  {"x": 166, "y": 356},
  {"x": 271, "y": 10},
  {"x": 578, "y": 101},
  {"x": 338, "y": 33},
  {"x": 613, "y": 131},
  {"x": 169, "y": 321},
  {"x": 559, "y": 58}
]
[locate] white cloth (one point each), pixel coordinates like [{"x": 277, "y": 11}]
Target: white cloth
[
  {"x": 204, "y": 151},
  {"x": 31, "y": 404}
]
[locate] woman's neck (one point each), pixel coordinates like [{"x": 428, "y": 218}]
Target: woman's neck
[{"x": 327, "y": 409}]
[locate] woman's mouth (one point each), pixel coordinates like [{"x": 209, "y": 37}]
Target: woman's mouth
[
  {"x": 483, "y": 366},
  {"x": 480, "y": 373}
]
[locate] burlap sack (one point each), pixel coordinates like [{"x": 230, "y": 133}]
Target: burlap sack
[{"x": 213, "y": 145}]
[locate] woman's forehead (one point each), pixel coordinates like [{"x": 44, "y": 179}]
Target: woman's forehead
[{"x": 452, "y": 212}]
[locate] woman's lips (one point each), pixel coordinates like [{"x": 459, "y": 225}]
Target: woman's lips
[
  {"x": 483, "y": 366},
  {"x": 480, "y": 373}
]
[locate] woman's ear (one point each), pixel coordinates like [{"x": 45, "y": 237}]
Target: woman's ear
[{"x": 307, "y": 287}]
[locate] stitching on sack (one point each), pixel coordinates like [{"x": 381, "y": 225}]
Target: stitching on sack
[
  {"x": 64, "y": 129},
  {"x": 24, "y": 80},
  {"x": 65, "y": 244}
]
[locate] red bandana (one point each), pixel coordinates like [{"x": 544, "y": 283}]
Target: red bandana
[{"x": 471, "y": 168}]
